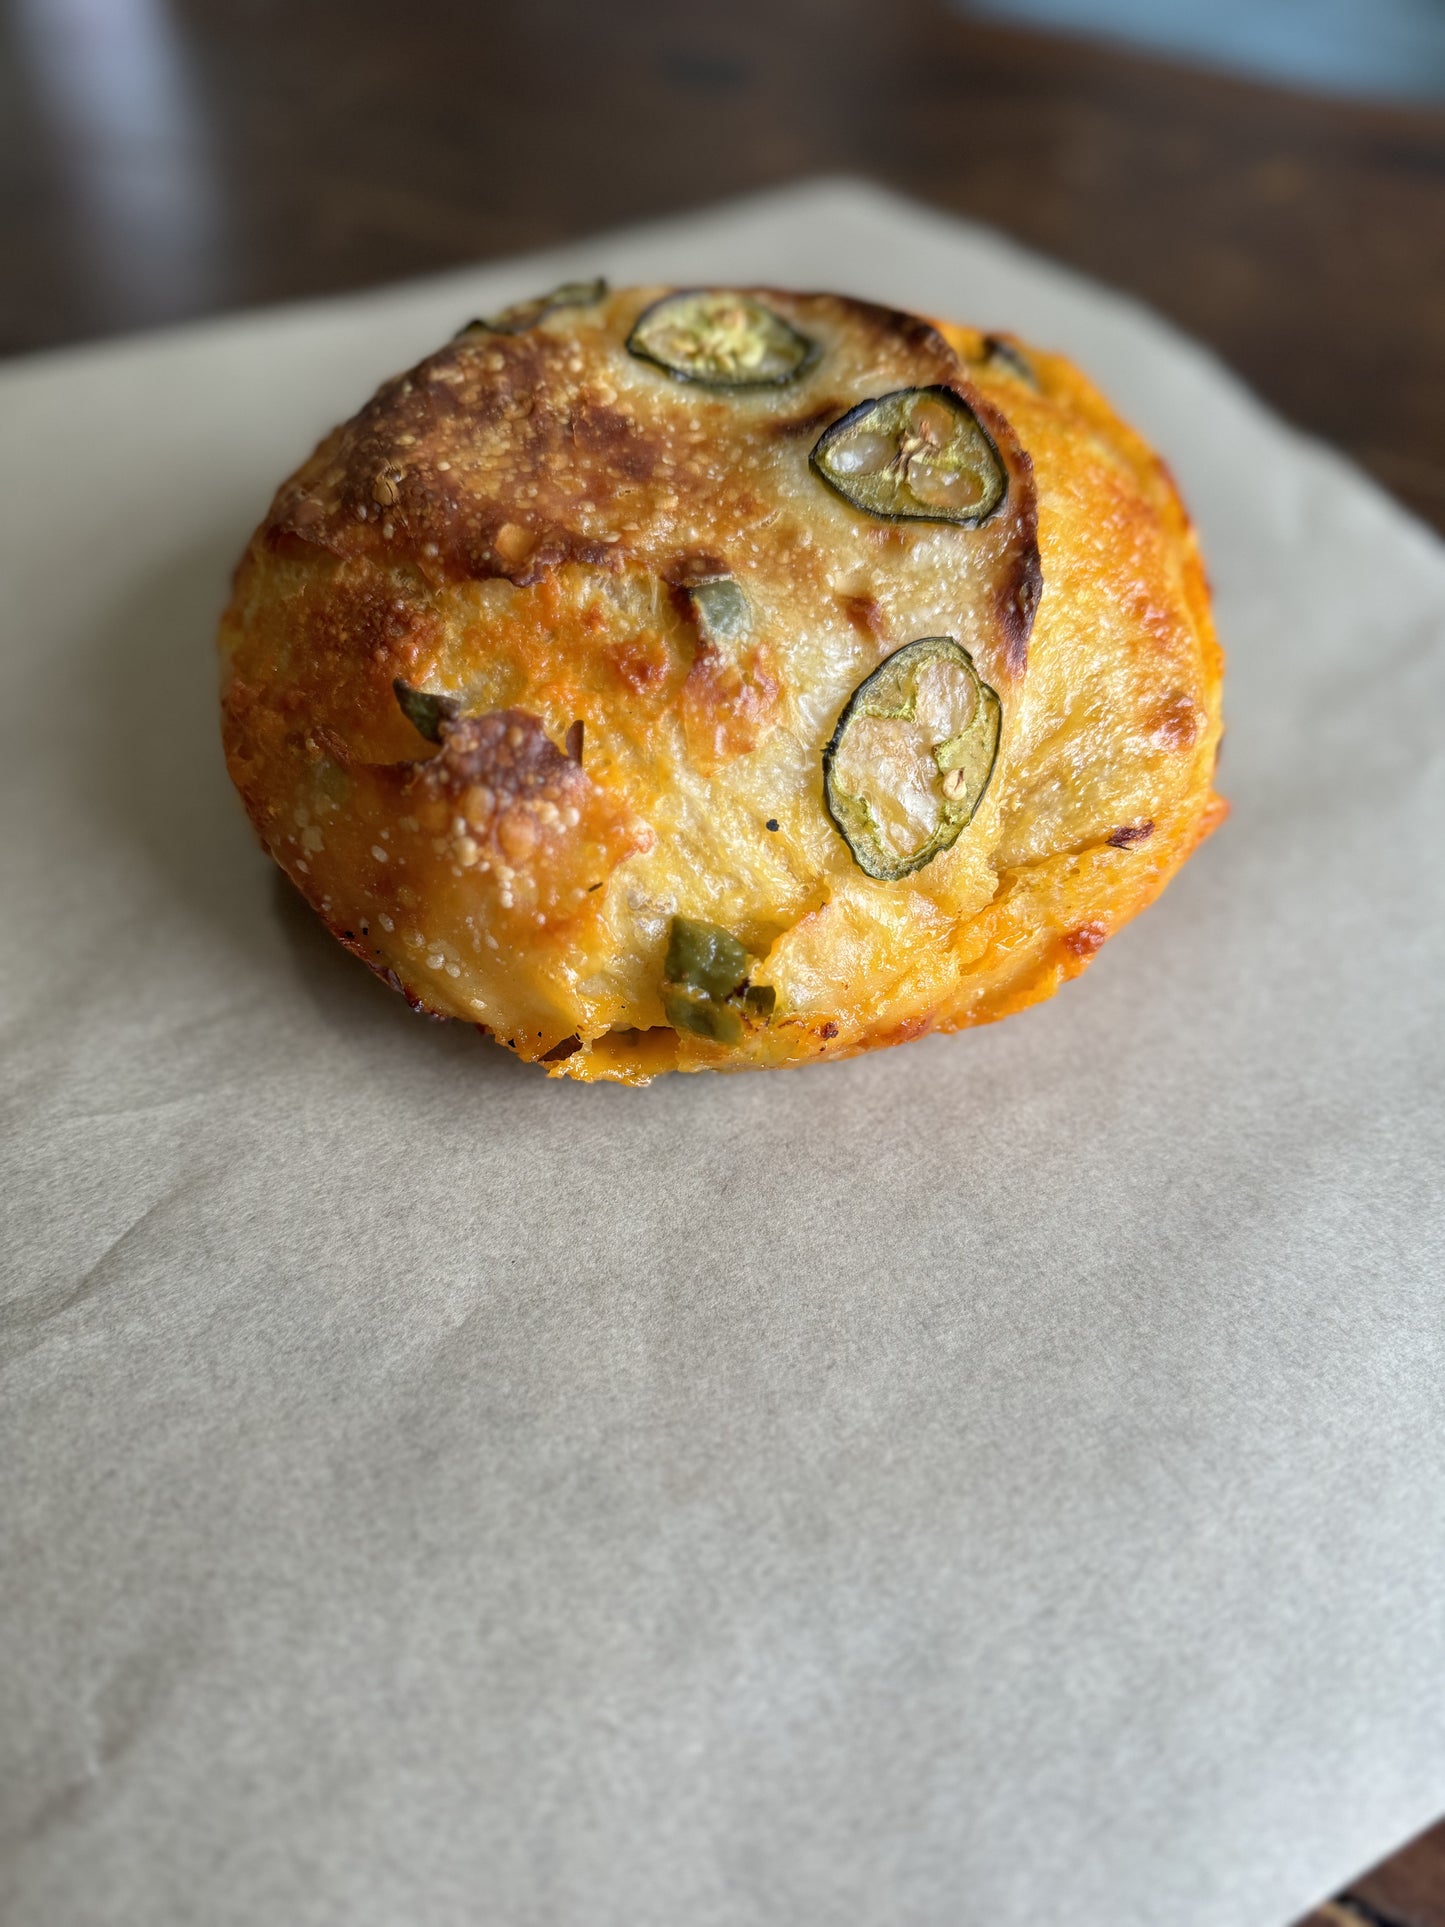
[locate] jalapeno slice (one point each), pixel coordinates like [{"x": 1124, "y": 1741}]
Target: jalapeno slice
[
  {"x": 526, "y": 314},
  {"x": 911, "y": 757},
  {"x": 721, "y": 339},
  {"x": 705, "y": 986},
  {"x": 917, "y": 455},
  {"x": 424, "y": 710},
  {"x": 720, "y": 608}
]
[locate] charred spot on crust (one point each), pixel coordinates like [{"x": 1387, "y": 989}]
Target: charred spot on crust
[
  {"x": 1085, "y": 941},
  {"x": 506, "y": 405},
  {"x": 865, "y": 612},
  {"x": 552, "y": 550},
  {"x": 906, "y": 1030},
  {"x": 911, "y": 330},
  {"x": 597, "y": 428},
  {"x": 1022, "y": 590},
  {"x": 1175, "y": 723},
  {"x": 1128, "y": 833},
  {"x": 501, "y": 803},
  {"x": 796, "y": 427},
  {"x": 695, "y": 567},
  {"x": 507, "y": 750}
]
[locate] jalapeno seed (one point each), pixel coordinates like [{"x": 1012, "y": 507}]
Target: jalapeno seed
[
  {"x": 919, "y": 454},
  {"x": 864, "y": 454},
  {"x": 911, "y": 757},
  {"x": 722, "y": 339}
]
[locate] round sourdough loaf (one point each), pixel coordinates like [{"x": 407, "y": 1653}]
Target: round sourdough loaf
[{"x": 712, "y": 679}]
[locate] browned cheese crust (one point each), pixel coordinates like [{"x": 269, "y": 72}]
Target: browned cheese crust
[{"x": 516, "y": 526}]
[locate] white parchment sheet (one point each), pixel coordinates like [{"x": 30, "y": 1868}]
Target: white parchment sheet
[{"x": 1002, "y": 1480}]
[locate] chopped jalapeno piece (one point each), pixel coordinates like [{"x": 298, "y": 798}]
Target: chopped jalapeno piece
[
  {"x": 720, "y": 338},
  {"x": 911, "y": 757},
  {"x": 704, "y": 957},
  {"x": 704, "y": 1016},
  {"x": 918, "y": 455},
  {"x": 526, "y": 314},
  {"x": 705, "y": 982},
  {"x": 425, "y": 711},
  {"x": 721, "y": 608}
]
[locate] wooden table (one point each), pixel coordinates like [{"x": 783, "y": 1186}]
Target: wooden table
[
  {"x": 169, "y": 161},
  {"x": 239, "y": 151}
]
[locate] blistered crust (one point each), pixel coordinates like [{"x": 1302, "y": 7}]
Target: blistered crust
[{"x": 519, "y": 524}]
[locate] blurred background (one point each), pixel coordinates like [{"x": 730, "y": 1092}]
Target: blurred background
[
  {"x": 1269, "y": 173},
  {"x": 1359, "y": 47}
]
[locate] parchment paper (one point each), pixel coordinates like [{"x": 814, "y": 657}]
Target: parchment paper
[{"x": 998, "y": 1481}]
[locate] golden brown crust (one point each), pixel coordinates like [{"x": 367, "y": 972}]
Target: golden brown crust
[{"x": 521, "y": 523}]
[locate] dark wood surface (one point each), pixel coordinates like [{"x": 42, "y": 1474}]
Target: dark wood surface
[
  {"x": 1407, "y": 1891},
  {"x": 250, "y": 150},
  {"x": 174, "y": 160}
]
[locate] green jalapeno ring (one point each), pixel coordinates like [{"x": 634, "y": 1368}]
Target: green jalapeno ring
[
  {"x": 963, "y": 764},
  {"x": 887, "y": 449},
  {"x": 760, "y": 350},
  {"x": 526, "y": 314}
]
